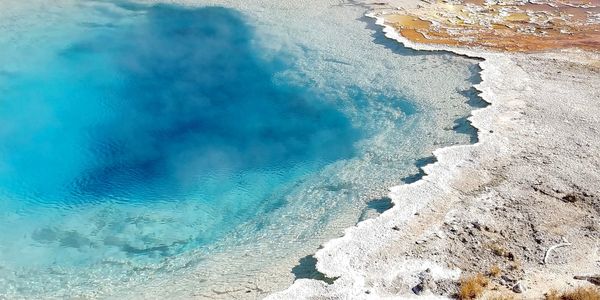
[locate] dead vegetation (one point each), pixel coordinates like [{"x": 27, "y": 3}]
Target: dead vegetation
[
  {"x": 494, "y": 271},
  {"x": 473, "y": 286},
  {"x": 580, "y": 293},
  {"x": 502, "y": 297},
  {"x": 501, "y": 251}
]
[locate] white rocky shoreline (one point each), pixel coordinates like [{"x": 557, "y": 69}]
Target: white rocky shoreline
[{"x": 530, "y": 183}]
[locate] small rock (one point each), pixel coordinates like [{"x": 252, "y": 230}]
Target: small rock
[
  {"x": 570, "y": 198},
  {"x": 519, "y": 287},
  {"x": 594, "y": 279},
  {"x": 419, "y": 288},
  {"x": 510, "y": 256},
  {"x": 427, "y": 283}
]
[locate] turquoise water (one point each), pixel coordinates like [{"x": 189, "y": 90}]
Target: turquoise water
[
  {"x": 174, "y": 105},
  {"x": 154, "y": 111},
  {"x": 137, "y": 141}
]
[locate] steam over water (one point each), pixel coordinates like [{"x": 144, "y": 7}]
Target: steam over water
[
  {"x": 177, "y": 106},
  {"x": 156, "y": 110},
  {"x": 143, "y": 143}
]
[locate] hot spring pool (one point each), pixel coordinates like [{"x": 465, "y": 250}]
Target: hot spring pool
[{"x": 141, "y": 143}]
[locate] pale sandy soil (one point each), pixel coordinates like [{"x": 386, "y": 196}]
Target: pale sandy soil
[{"x": 531, "y": 182}]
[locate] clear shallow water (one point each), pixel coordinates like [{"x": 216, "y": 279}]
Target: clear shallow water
[{"x": 141, "y": 141}]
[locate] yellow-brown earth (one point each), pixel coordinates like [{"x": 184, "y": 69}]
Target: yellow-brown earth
[{"x": 509, "y": 25}]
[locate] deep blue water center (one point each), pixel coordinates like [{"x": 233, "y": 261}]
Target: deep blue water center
[{"x": 159, "y": 110}]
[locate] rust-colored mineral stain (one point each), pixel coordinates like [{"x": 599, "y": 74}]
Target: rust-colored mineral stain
[
  {"x": 406, "y": 21},
  {"x": 507, "y": 25},
  {"x": 517, "y": 17}
]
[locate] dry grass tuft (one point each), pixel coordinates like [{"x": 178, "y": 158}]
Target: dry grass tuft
[
  {"x": 501, "y": 251},
  {"x": 580, "y": 293},
  {"x": 516, "y": 265},
  {"x": 472, "y": 287},
  {"x": 502, "y": 297},
  {"x": 498, "y": 249},
  {"x": 495, "y": 271}
]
